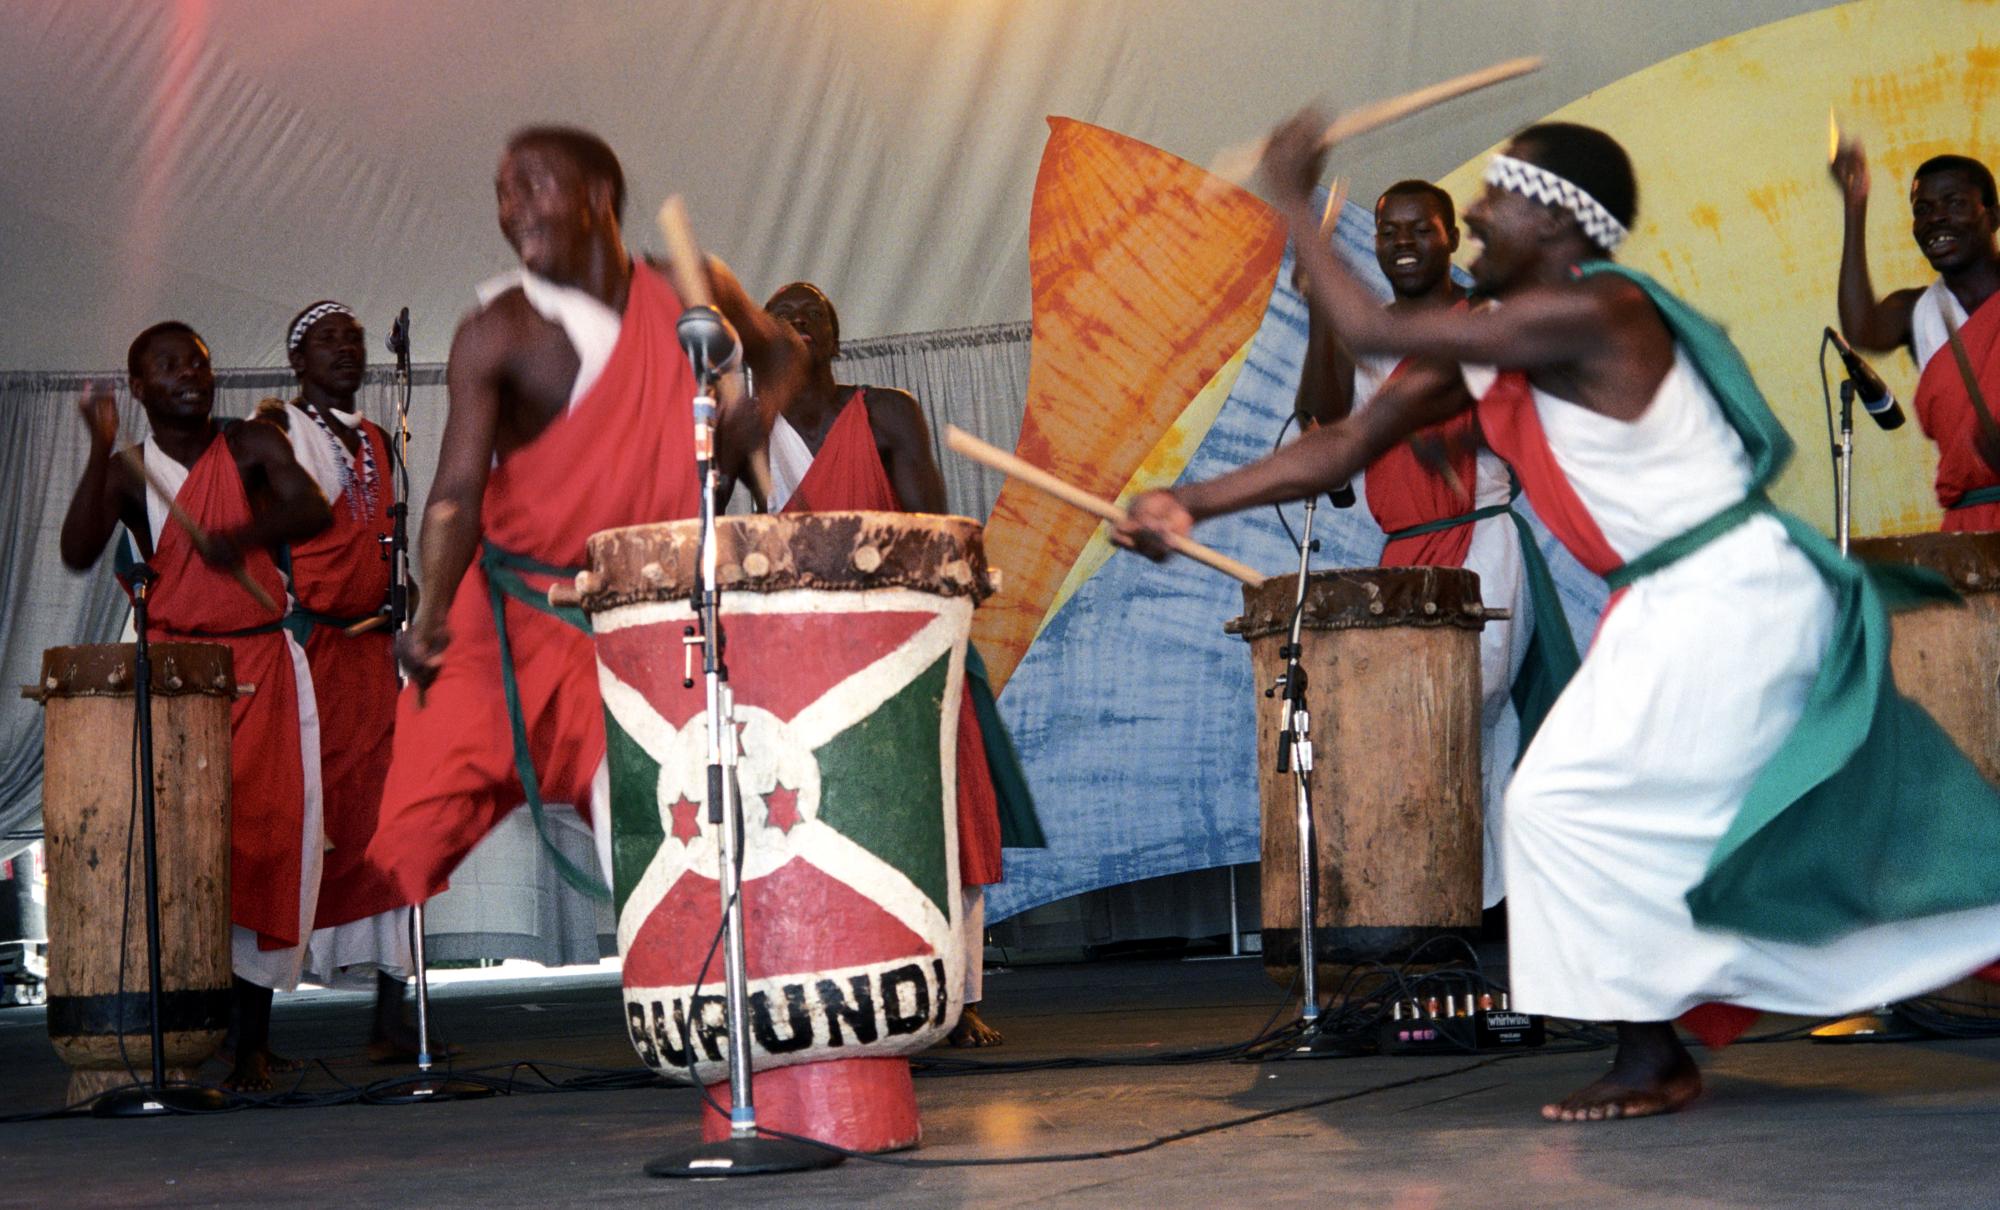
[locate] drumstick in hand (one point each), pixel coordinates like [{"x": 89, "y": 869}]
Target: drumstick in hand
[
  {"x": 1238, "y": 164},
  {"x": 961, "y": 442},
  {"x": 138, "y": 464},
  {"x": 684, "y": 261}
]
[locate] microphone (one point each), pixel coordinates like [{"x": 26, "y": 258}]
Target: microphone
[
  {"x": 1869, "y": 388},
  {"x": 709, "y": 342},
  {"x": 399, "y": 340}
]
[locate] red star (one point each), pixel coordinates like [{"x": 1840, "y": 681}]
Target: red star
[
  {"x": 781, "y": 808},
  {"x": 687, "y": 819}
]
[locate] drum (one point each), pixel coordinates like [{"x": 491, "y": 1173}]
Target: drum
[
  {"x": 99, "y": 1017},
  {"x": 1945, "y": 658},
  {"x": 1391, "y": 657},
  {"x": 845, "y": 644}
]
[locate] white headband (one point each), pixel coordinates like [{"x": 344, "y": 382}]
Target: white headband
[
  {"x": 1539, "y": 184},
  {"x": 311, "y": 317}
]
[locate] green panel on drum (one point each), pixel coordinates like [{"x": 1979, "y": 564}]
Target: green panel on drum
[
  {"x": 636, "y": 831},
  {"x": 882, "y": 783}
]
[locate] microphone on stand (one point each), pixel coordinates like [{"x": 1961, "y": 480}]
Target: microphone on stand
[
  {"x": 709, "y": 342},
  {"x": 399, "y": 342},
  {"x": 1876, "y": 398}
]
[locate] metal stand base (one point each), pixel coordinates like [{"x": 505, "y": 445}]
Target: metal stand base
[
  {"x": 140, "y": 1101},
  {"x": 742, "y": 1157},
  {"x": 440, "y": 1088}
]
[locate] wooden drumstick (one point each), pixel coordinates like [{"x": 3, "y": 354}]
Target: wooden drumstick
[
  {"x": 961, "y": 442},
  {"x": 1336, "y": 197},
  {"x": 684, "y": 255},
  {"x": 134, "y": 460},
  {"x": 1238, "y": 164},
  {"x": 366, "y": 624}
]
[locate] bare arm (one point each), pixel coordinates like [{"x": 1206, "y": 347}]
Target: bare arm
[
  {"x": 292, "y": 506},
  {"x": 99, "y": 502},
  {"x": 450, "y": 532},
  {"x": 1326, "y": 378},
  {"x": 1324, "y": 457},
  {"x": 905, "y": 442},
  {"x": 1868, "y": 322}
]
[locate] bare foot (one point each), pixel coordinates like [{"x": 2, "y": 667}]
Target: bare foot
[
  {"x": 972, "y": 1031},
  {"x": 251, "y": 1073},
  {"x": 1652, "y": 1074}
]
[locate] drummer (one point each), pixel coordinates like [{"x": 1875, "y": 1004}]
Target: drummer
[
  {"x": 839, "y": 446},
  {"x": 1954, "y": 215},
  {"x": 1441, "y": 496},
  {"x": 570, "y": 413},
  {"x": 238, "y": 481}
]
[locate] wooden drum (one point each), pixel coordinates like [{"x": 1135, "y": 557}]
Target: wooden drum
[
  {"x": 1391, "y": 657},
  {"x": 98, "y": 995},
  {"x": 845, "y": 643},
  {"x": 1946, "y": 658}
]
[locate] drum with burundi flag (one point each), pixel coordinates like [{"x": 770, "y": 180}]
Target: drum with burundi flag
[{"x": 845, "y": 640}]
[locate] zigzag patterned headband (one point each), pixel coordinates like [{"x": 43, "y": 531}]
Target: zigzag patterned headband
[
  {"x": 311, "y": 317},
  {"x": 1537, "y": 183}
]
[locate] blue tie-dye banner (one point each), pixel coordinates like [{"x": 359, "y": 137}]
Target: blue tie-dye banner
[{"x": 1133, "y": 712}]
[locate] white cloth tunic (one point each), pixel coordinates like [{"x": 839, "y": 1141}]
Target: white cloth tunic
[
  {"x": 1696, "y": 675},
  {"x": 1927, "y": 330},
  {"x": 1495, "y": 556}
]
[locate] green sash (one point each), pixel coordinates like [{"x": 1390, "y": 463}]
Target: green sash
[
  {"x": 504, "y": 579},
  {"x": 1867, "y": 813},
  {"x": 1978, "y": 496},
  {"x": 1551, "y": 657},
  {"x": 1020, "y": 828}
]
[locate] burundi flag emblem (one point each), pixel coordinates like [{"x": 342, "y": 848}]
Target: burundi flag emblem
[{"x": 845, "y": 709}]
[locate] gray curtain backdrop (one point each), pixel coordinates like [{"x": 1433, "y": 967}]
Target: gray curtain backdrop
[{"x": 506, "y": 900}]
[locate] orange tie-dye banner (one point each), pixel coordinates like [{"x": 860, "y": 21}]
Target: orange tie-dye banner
[{"x": 1148, "y": 275}]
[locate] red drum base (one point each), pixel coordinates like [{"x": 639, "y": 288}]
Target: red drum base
[{"x": 861, "y": 1104}]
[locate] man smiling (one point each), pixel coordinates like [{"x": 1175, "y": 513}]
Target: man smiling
[{"x": 1953, "y": 218}]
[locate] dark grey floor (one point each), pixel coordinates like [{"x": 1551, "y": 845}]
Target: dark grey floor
[{"x": 1784, "y": 1124}]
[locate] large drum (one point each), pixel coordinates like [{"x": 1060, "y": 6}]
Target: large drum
[
  {"x": 845, "y": 644},
  {"x": 1946, "y": 658},
  {"x": 99, "y": 1015},
  {"x": 1391, "y": 657}
]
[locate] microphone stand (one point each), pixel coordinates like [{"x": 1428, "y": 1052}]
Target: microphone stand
[
  {"x": 1843, "y": 480},
  {"x": 140, "y": 1100},
  {"x": 710, "y": 347},
  {"x": 1295, "y": 756},
  {"x": 424, "y": 1086}
]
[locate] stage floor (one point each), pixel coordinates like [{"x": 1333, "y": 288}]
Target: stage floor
[{"x": 1784, "y": 1123}]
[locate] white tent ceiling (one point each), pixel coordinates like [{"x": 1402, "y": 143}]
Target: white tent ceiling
[{"x": 227, "y": 161}]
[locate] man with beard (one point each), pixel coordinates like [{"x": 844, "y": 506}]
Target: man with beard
[
  {"x": 340, "y": 579},
  {"x": 1953, "y": 218},
  {"x": 1702, "y": 820},
  {"x": 1441, "y": 496},
  {"x": 839, "y": 447},
  {"x": 239, "y": 482},
  {"x": 571, "y": 412}
]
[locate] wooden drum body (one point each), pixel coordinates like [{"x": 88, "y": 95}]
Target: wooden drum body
[
  {"x": 1946, "y": 658},
  {"x": 98, "y": 994},
  {"x": 1391, "y": 657},
  {"x": 845, "y": 644}
]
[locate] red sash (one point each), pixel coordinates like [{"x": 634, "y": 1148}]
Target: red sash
[
  {"x": 623, "y": 455},
  {"x": 343, "y": 573},
  {"x": 1944, "y": 409},
  {"x": 1403, "y": 492},
  {"x": 267, "y": 781}
]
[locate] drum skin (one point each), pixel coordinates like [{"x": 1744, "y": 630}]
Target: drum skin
[
  {"x": 89, "y": 812},
  {"x": 1391, "y": 657},
  {"x": 845, "y": 645}
]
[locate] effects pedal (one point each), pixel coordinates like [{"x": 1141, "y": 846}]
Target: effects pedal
[{"x": 1458, "y": 1025}]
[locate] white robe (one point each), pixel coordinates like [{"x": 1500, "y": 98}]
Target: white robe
[
  {"x": 1696, "y": 675},
  {"x": 1927, "y": 330},
  {"x": 1495, "y": 556}
]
